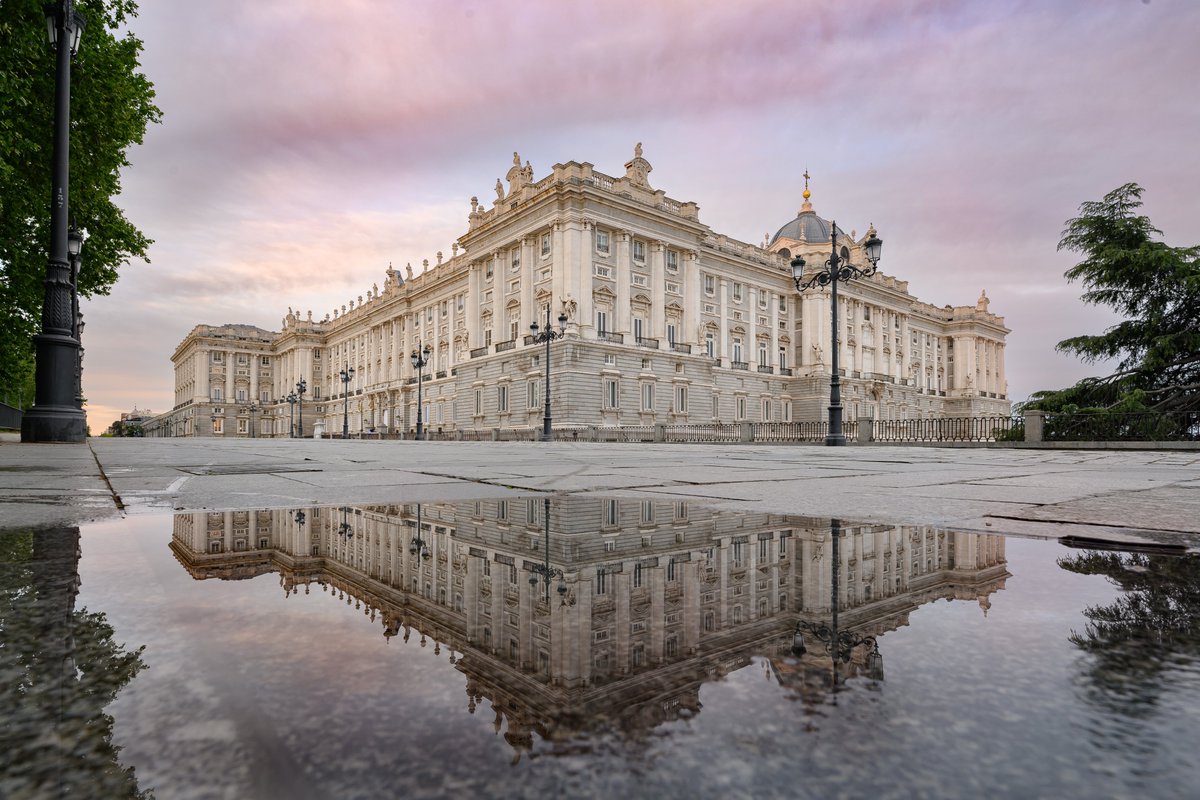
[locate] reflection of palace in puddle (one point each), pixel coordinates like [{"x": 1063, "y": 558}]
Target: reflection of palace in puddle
[{"x": 654, "y": 598}]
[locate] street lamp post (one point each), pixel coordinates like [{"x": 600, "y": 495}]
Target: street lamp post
[
  {"x": 55, "y": 415},
  {"x": 346, "y": 374},
  {"x": 838, "y": 644},
  {"x": 250, "y": 409},
  {"x": 548, "y": 335},
  {"x": 418, "y": 546},
  {"x": 74, "y": 246},
  {"x": 301, "y": 388},
  {"x": 291, "y": 398},
  {"x": 837, "y": 268},
  {"x": 544, "y": 570},
  {"x": 420, "y": 357}
]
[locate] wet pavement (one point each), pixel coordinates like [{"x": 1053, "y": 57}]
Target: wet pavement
[{"x": 366, "y": 619}]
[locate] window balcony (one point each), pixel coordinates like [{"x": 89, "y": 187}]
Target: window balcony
[
  {"x": 609, "y": 336},
  {"x": 479, "y": 351},
  {"x": 646, "y": 341},
  {"x": 739, "y": 365},
  {"x": 502, "y": 346},
  {"x": 680, "y": 347},
  {"x": 785, "y": 371},
  {"x": 766, "y": 369}
]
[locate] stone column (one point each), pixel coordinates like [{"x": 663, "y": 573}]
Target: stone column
[
  {"x": 230, "y": 375},
  {"x": 723, "y": 356},
  {"x": 474, "y": 295},
  {"x": 574, "y": 257},
  {"x": 773, "y": 320},
  {"x": 203, "y": 370},
  {"x": 528, "y": 311},
  {"x": 751, "y": 356},
  {"x": 860, "y": 310},
  {"x": 691, "y": 280},
  {"x": 658, "y": 300},
  {"x": 622, "y": 321}
]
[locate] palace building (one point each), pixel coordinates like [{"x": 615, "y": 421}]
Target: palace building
[
  {"x": 566, "y": 615},
  {"x": 668, "y": 323}
]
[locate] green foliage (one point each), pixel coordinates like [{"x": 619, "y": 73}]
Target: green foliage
[
  {"x": 111, "y": 105},
  {"x": 1136, "y": 641},
  {"x": 1156, "y": 287}
]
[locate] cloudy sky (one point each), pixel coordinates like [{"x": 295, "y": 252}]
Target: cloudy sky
[{"x": 306, "y": 144}]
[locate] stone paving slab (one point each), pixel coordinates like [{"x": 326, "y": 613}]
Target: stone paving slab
[{"x": 1126, "y": 492}]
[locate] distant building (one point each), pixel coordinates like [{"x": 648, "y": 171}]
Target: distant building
[
  {"x": 131, "y": 423},
  {"x": 669, "y": 322}
]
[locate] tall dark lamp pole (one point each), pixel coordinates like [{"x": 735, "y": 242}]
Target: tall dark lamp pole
[
  {"x": 420, "y": 357},
  {"x": 301, "y": 388},
  {"x": 250, "y": 409},
  {"x": 55, "y": 415},
  {"x": 291, "y": 398},
  {"x": 837, "y": 268},
  {"x": 346, "y": 374},
  {"x": 548, "y": 335},
  {"x": 544, "y": 570}
]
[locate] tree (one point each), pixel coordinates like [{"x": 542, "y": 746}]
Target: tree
[
  {"x": 1156, "y": 287},
  {"x": 111, "y": 105}
]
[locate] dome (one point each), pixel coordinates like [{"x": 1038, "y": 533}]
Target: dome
[{"x": 807, "y": 226}]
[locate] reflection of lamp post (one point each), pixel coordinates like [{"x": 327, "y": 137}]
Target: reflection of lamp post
[
  {"x": 300, "y": 518},
  {"x": 420, "y": 357},
  {"x": 419, "y": 545},
  {"x": 291, "y": 398},
  {"x": 838, "y": 644},
  {"x": 55, "y": 415},
  {"x": 344, "y": 527},
  {"x": 547, "y": 572},
  {"x": 74, "y": 246},
  {"x": 548, "y": 335},
  {"x": 301, "y": 388},
  {"x": 346, "y": 374},
  {"x": 837, "y": 268}
]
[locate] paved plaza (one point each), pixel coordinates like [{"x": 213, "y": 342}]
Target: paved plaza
[{"x": 1117, "y": 495}]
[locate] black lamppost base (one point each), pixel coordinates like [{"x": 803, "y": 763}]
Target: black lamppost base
[
  {"x": 54, "y": 424},
  {"x": 835, "y": 441}
]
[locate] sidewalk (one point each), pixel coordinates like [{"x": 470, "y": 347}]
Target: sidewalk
[{"x": 1119, "y": 495}]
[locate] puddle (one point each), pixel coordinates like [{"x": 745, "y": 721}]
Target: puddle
[{"x": 588, "y": 646}]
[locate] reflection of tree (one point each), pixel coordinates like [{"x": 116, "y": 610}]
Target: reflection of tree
[
  {"x": 1137, "y": 638},
  {"x": 59, "y": 668}
]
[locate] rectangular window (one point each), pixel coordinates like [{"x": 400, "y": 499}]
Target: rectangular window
[
  {"x": 762, "y": 299},
  {"x": 602, "y": 242},
  {"x": 610, "y": 359},
  {"x": 264, "y": 396},
  {"x": 639, "y": 327},
  {"x": 602, "y": 322},
  {"x": 516, "y": 257},
  {"x": 458, "y": 303},
  {"x": 241, "y": 395},
  {"x": 647, "y": 397},
  {"x": 782, "y": 304},
  {"x": 218, "y": 425},
  {"x": 265, "y": 361},
  {"x": 478, "y": 402},
  {"x": 671, "y": 333},
  {"x": 762, "y": 355},
  {"x": 647, "y": 511},
  {"x": 710, "y": 284},
  {"x": 766, "y": 410},
  {"x": 710, "y": 344},
  {"x": 867, "y": 313},
  {"x": 612, "y": 393},
  {"x": 243, "y": 426},
  {"x": 737, "y": 292},
  {"x": 502, "y": 398},
  {"x": 611, "y": 513},
  {"x": 783, "y": 362},
  {"x": 533, "y": 392},
  {"x": 680, "y": 399},
  {"x": 737, "y": 349},
  {"x": 740, "y": 404},
  {"x": 601, "y": 584},
  {"x": 639, "y": 250},
  {"x": 218, "y": 358},
  {"x": 637, "y": 576},
  {"x": 672, "y": 260},
  {"x": 216, "y": 394},
  {"x": 716, "y": 406},
  {"x": 243, "y": 358},
  {"x": 546, "y": 240}
]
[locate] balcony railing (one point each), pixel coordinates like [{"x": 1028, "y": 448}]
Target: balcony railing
[
  {"x": 766, "y": 369},
  {"x": 609, "y": 336},
  {"x": 646, "y": 341},
  {"x": 479, "y": 351},
  {"x": 785, "y": 371},
  {"x": 502, "y": 346},
  {"x": 680, "y": 347},
  {"x": 739, "y": 365}
]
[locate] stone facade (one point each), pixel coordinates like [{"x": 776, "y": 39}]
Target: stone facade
[
  {"x": 669, "y": 322},
  {"x": 656, "y": 597}
]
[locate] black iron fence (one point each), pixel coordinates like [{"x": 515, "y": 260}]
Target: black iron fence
[
  {"x": 945, "y": 429},
  {"x": 1142, "y": 426}
]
